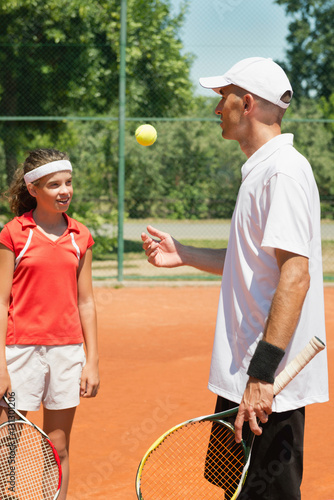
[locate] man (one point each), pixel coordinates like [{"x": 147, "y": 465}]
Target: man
[{"x": 271, "y": 299}]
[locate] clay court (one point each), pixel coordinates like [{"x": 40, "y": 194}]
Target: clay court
[{"x": 155, "y": 347}]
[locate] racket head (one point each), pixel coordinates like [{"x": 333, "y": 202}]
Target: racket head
[
  {"x": 163, "y": 476},
  {"x": 197, "y": 459},
  {"x": 29, "y": 464}
]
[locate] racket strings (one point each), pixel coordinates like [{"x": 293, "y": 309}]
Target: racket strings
[
  {"x": 199, "y": 460},
  {"x": 29, "y": 469},
  {"x": 224, "y": 462}
]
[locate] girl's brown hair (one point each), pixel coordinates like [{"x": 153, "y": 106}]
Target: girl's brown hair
[{"x": 20, "y": 200}]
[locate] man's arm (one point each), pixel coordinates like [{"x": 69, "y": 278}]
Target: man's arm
[
  {"x": 168, "y": 252},
  {"x": 282, "y": 321}
]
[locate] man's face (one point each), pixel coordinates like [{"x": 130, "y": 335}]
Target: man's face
[{"x": 230, "y": 109}]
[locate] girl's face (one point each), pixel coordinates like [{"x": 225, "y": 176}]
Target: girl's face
[{"x": 54, "y": 192}]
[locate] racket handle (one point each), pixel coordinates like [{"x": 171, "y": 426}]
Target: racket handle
[{"x": 297, "y": 364}]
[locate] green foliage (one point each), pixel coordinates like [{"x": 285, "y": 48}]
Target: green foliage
[
  {"x": 315, "y": 141},
  {"x": 101, "y": 219},
  {"x": 61, "y": 58},
  {"x": 190, "y": 172},
  {"x": 310, "y": 65},
  {"x": 311, "y": 49},
  {"x": 158, "y": 76},
  {"x": 104, "y": 246}
]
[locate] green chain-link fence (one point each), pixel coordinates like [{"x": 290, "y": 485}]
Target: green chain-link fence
[{"x": 60, "y": 65}]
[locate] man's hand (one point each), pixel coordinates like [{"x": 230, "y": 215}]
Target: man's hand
[
  {"x": 169, "y": 252},
  {"x": 163, "y": 253},
  {"x": 255, "y": 406}
]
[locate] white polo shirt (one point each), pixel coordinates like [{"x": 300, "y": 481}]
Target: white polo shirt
[{"x": 277, "y": 207}]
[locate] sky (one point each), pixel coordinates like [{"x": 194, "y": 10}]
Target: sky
[{"x": 222, "y": 32}]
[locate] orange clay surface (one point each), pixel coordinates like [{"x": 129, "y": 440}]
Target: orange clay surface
[{"x": 155, "y": 348}]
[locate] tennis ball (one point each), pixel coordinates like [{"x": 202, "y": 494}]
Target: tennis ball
[{"x": 146, "y": 135}]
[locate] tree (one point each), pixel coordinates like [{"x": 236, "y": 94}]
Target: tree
[
  {"x": 313, "y": 140},
  {"x": 310, "y": 65},
  {"x": 61, "y": 57},
  {"x": 158, "y": 76},
  {"x": 189, "y": 173},
  {"x": 310, "y": 54}
]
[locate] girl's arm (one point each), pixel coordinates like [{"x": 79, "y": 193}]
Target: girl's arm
[
  {"x": 90, "y": 380},
  {"x": 7, "y": 260}
]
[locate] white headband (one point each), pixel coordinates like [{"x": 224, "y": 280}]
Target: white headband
[{"x": 48, "y": 168}]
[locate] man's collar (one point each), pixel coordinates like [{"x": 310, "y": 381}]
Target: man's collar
[{"x": 265, "y": 151}]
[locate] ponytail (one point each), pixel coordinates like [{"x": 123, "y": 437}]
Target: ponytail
[{"x": 20, "y": 200}]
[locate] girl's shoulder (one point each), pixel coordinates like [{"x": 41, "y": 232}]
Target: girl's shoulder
[
  {"x": 75, "y": 225},
  {"x": 15, "y": 233},
  {"x": 80, "y": 233},
  {"x": 20, "y": 221}
]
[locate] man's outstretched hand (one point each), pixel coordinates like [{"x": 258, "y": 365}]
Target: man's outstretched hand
[{"x": 161, "y": 252}]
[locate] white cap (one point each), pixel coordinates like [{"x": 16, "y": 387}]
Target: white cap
[{"x": 258, "y": 75}]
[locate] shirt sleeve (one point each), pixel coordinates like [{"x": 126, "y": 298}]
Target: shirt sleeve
[
  {"x": 90, "y": 242},
  {"x": 5, "y": 239},
  {"x": 289, "y": 221}
]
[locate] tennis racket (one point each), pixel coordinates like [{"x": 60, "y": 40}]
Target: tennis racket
[
  {"x": 29, "y": 464},
  {"x": 200, "y": 458}
]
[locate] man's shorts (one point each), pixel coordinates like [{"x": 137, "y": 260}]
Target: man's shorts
[
  {"x": 45, "y": 374},
  {"x": 276, "y": 465}
]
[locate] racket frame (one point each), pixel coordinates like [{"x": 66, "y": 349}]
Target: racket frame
[
  {"x": 214, "y": 418},
  {"x": 23, "y": 420},
  {"x": 314, "y": 346}
]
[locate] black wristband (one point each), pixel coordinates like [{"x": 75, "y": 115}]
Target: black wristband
[{"x": 265, "y": 361}]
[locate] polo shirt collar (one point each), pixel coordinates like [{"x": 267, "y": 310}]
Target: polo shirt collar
[
  {"x": 27, "y": 220},
  {"x": 265, "y": 151}
]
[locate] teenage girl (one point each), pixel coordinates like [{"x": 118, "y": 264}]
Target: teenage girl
[{"x": 47, "y": 309}]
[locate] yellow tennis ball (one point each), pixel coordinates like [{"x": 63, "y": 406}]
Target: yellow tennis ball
[{"x": 146, "y": 135}]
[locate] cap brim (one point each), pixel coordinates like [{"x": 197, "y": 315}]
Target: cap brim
[{"x": 214, "y": 82}]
